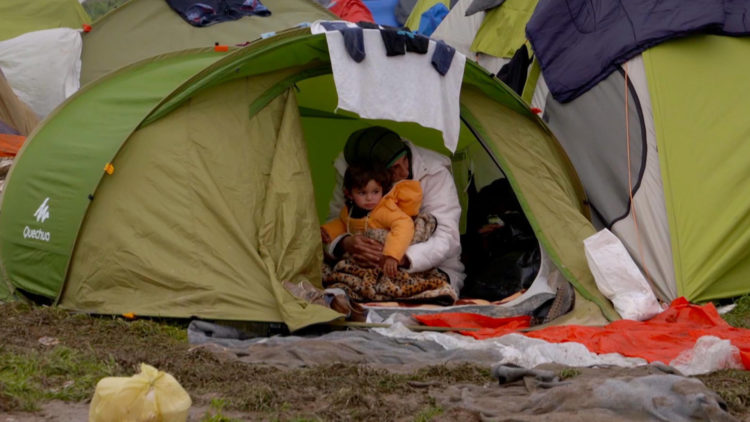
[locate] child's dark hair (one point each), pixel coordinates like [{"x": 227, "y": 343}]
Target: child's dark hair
[{"x": 358, "y": 175}]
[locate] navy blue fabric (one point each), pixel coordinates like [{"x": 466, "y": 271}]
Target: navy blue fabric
[
  {"x": 442, "y": 57},
  {"x": 394, "y": 41},
  {"x": 368, "y": 25},
  {"x": 416, "y": 43},
  {"x": 514, "y": 72},
  {"x": 354, "y": 40},
  {"x": 580, "y": 42},
  {"x": 208, "y": 12}
]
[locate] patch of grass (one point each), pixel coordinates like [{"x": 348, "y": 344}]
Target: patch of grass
[
  {"x": 217, "y": 405},
  {"x": 569, "y": 373},
  {"x": 739, "y": 316},
  {"x": 144, "y": 327},
  {"x": 61, "y": 373},
  {"x": 733, "y": 386},
  {"x": 453, "y": 374},
  {"x": 430, "y": 412}
]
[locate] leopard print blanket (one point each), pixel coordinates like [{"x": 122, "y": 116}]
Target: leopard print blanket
[{"x": 367, "y": 284}]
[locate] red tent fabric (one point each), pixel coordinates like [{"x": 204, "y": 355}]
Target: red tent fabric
[
  {"x": 661, "y": 338},
  {"x": 352, "y": 11},
  {"x": 487, "y": 326}
]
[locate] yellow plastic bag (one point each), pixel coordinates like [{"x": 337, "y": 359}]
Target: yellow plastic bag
[{"x": 150, "y": 395}]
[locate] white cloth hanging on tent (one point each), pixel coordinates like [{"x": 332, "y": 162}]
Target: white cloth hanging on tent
[
  {"x": 403, "y": 88},
  {"x": 43, "y": 67}
]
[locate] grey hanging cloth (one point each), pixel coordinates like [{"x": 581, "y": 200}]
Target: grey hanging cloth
[{"x": 481, "y": 5}]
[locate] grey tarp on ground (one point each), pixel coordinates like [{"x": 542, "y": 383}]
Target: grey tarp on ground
[
  {"x": 652, "y": 392},
  {"x": 578, "y": 43},
  {"x": 356, "y": 346},
  {"x": 646, "y": 393}
]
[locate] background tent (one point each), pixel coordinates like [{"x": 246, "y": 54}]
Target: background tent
[
  {"x": 20, "y": 16},
  {"x": 182, "y": 185},
  {"x": 40, "y": 50},
  {"x": 663, "y": 169},
  {"x": 140, "y": 29}
]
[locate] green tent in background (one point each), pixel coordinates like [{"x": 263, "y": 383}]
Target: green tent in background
[
  {"x": 22, "y": 16},
  {"x": 140, "y": 29},
  {"x": 184, "y": 185}
]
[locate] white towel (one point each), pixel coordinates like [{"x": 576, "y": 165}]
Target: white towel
[{"x": 404, "y": 88}]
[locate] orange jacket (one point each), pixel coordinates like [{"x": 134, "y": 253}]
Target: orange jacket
[{"x": 394, "y": 212}]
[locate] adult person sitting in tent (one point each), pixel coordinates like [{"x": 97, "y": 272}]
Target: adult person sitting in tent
[{"x": 440, "y": 199}]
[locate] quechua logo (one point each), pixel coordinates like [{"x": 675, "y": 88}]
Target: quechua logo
[{"x": 41, "y": 214}]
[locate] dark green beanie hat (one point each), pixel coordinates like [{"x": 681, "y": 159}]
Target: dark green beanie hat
[{"x": 374, "y": 144}]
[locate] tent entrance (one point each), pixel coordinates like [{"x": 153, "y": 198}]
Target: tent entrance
[{"x": 501, "y": 252}]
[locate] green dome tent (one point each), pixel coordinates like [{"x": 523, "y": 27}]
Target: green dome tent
[
  {"x": 21, "y": 16},
  {"x": 185, "y": 185}
]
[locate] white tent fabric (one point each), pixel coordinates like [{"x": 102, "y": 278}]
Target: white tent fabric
[
  {"x": 654, "y": 255},
  {"x": 43, "y": 67},
  {"x": 650, "y": 209}
]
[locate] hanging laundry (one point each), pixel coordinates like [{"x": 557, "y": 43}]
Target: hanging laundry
[
  {"x": 515, "y": 71},
  {"x": 394, "y": 41},
  {"x": 416, "y": 43},
  {"x": 442, "y": 57},
  {"x": 209, "y": 12},
  {"x": 353, "y": 41},
  {"x": 431, "y": 18},
  {"x": 403, "y": 88}
]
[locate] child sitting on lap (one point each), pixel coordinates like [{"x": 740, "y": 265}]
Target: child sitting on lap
[{"x": 372, "y": 203}]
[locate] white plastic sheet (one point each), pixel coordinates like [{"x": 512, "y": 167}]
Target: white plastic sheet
[
  {"x": 709, "y": 354},
  {"x": 618, "y": 277},
  {"x": 43, "y": 67}
]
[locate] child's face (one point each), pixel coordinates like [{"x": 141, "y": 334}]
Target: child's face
[{"x": 367, "y": 197}]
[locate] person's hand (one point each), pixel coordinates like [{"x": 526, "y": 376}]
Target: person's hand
[
  {"x": 365, "y": 251},
  {"x": 325, "y": 236},
  {"x": 390, "y": 266}
]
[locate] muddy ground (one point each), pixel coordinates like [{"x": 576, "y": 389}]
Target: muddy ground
[{"x": 223, "y": 389}]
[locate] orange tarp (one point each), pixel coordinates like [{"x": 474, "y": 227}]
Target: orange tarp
[
  {"x": 661, "y": 338},
  {"x": 10, "y": 144}
]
